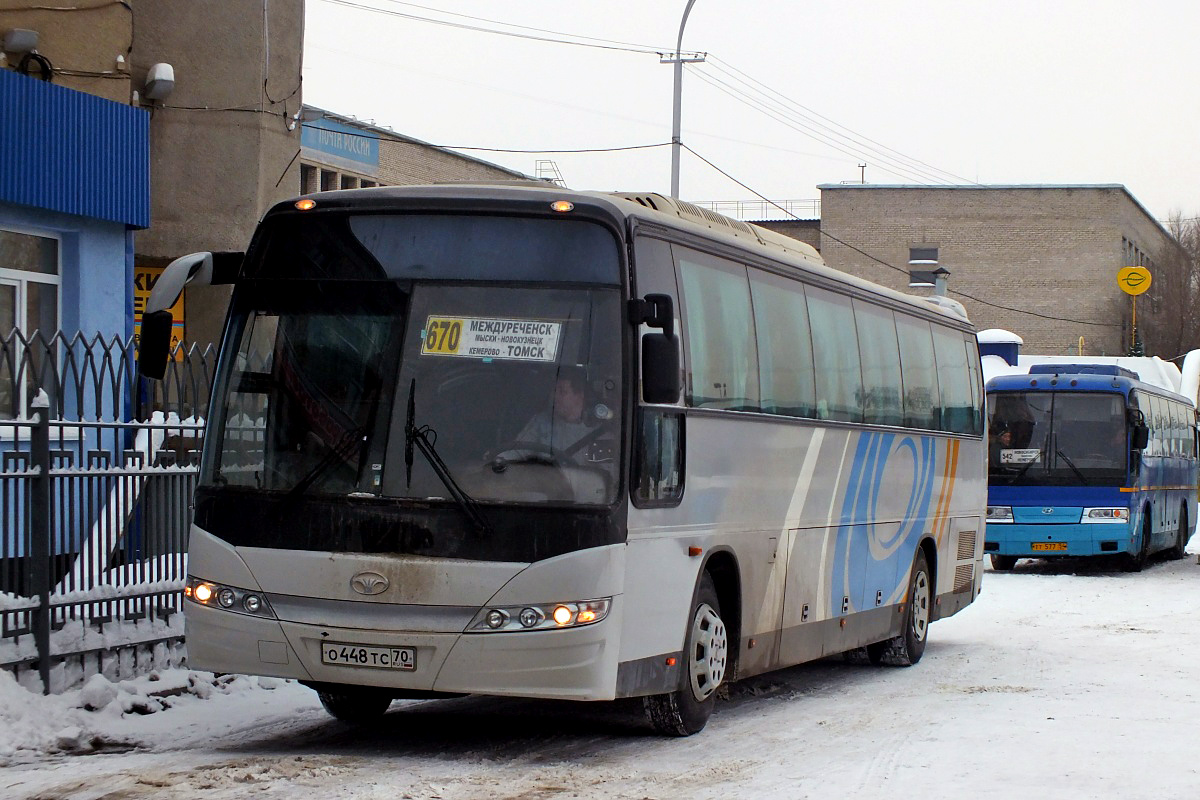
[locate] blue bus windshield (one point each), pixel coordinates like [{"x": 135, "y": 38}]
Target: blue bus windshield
[{"x": 1057, "y": 439}]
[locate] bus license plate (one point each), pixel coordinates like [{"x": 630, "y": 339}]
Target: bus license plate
[
  {"x": 1054, "y": 546},
  {"x": 357, "y": 655}
]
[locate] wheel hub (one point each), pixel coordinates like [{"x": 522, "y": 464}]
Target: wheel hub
[{"x": 710, "y": 651}]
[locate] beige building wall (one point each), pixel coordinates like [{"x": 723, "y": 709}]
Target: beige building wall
[
  {"x": 223, "y": 145},
  {"x": 87, "y": 43},
  {"x": 1039, "y": 261}
]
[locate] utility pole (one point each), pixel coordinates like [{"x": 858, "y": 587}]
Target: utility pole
[{"x": 678, "y": 59}]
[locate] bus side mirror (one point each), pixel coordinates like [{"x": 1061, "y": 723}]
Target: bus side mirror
[
  {"x": 660, "y": 351},
  {"x": 154, "y": 344},
  {"x": 1139, "y": 437},
  {"x": 660, "y": 368}
]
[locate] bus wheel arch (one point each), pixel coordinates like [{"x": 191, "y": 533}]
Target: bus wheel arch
[
  {"x": 906, "y": 649},
  {"x": 722, "y": 568},
  {"x": 708, "y": 652},
  {"x": 1135, "y": 562}
]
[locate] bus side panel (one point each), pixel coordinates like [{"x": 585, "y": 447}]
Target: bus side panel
[{"x": 834, "y": 513}]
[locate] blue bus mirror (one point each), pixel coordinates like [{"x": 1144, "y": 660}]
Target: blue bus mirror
[{"x": 1140, "y": 437}]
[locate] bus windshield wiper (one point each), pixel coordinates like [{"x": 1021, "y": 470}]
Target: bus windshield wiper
[
  {"x": 425, "y": 438},
  {"x": 341, "y": 451},
  {"x": 1073, "y": 468}
]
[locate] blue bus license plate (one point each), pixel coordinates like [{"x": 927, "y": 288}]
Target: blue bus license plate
[{"x": 357, "y": 655}]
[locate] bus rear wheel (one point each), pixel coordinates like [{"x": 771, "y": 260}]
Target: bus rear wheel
[
  {"x": 907, "y": 648},
  {"x": 705, "y": 656},
  {"x": 357, "y": 706},
  {"x": 1182, "y": 535},
  {"x": 1003, "y": 563}
]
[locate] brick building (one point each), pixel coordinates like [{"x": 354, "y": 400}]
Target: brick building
[{"x": 1038, "y": 260}]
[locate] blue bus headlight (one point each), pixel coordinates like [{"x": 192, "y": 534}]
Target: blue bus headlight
[
  {"x": 545, "y": 616},
  {"x": 1106, "y": 515},
  {"x": 999, "y": 514}
]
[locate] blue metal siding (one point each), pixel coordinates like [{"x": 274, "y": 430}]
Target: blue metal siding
[{"x": 64, "y": 150}]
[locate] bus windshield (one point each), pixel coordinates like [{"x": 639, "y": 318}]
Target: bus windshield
[
  {"x": 1057, "y": 438},
  {"x": 514, "y": 389}
]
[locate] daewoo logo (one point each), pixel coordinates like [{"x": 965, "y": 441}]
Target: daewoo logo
[{"x": 369, "y": 583}]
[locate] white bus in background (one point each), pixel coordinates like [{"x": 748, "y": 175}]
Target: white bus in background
[{"x": 533, "y": 442}]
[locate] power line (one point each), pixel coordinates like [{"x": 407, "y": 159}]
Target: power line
[
  {"x": 854, "y": 136},
  {"x": 553, "y": 37},
  {"x": 898, "y": 164},
  {"x": 806, "y": 130},
  {"x": 878, "y": 260}
]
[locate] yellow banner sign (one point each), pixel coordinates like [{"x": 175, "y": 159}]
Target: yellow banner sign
[
  {"x": 144, "y": 279},
  {"x": 1133, "y": 280}
]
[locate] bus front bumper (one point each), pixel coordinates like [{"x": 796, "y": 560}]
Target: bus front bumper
[
  {"x": 1045, "y": 541},
  {"x": 569, "y": 664}
]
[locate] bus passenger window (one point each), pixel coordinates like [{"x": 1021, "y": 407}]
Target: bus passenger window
[{"x": 658, "y": 459}]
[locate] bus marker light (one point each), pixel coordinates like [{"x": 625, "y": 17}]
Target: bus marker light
[
  {"x": 562, "y": 205},
  {"x": 307, "y": 204},
  {"x": 695, "y": 551},
  {"x": 204, "y": 593},
  {"x": 670, "y": 662},
  {"x": 562, "y": 615}
]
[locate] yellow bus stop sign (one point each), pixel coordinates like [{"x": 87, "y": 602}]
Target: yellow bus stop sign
[{"x": 1133, "y": 280}]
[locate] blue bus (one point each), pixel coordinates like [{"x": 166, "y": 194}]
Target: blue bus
[{"x": 1084, "y": 460}]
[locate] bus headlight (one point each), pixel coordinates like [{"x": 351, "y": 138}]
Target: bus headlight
[
  {"x": 999, "y": 514},
  {"x": 227, "y": 598},
  {"x": 547, "y": 616},
  {"x": 1106, "y": 515}
]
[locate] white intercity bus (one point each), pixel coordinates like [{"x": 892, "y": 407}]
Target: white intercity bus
[{"x": 520, "y": 440}]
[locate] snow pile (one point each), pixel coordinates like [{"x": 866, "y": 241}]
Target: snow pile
[{"x": 104, "y": 716}]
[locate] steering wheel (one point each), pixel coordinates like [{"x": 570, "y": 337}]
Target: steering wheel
[{"x": 537, "y": 452}]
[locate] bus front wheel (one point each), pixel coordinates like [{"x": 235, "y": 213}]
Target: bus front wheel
[
  {"x": 907, "y": 648},
  {"x": 355, "y": 706},
  {"x": 1137, "y": 561},
  {"x": 1003, "y": 563},
  {"x": 705, "y": 656}
]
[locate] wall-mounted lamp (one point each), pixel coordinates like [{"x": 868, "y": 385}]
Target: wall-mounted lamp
[
  {"x": 160, "y": 81},
  {"x": 20, "y": 40}
]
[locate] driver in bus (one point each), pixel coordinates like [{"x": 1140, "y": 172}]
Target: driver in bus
[{"x": 566, "y": 426}]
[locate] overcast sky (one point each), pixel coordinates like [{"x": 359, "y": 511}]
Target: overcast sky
[{"x": 793, "y": 93}]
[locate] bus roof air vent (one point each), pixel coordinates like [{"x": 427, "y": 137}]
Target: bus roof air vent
[
  {"x": 714, "y": 221},
  {"x": 1082, "y": 369}
]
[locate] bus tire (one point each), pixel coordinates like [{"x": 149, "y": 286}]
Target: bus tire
[
  {"x": 705, "y": 656},
  {"x": 907, "y": 648},
  {"x": 1003, "y": 563},
  {"x": 1181, "y": 536},
  {"x": 1136, "y": 562},
  {"x": 355, "y": 706}
]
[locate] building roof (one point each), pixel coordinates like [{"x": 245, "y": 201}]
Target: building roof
[{"x": 388, "y": 134}]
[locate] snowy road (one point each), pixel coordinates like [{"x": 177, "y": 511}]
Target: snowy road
[{"x": 1065, "y": 681}]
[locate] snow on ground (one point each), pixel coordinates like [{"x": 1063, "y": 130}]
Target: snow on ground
[{"x": 1073, "y": 680}]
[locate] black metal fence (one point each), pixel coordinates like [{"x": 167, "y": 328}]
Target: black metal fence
[{"x": 97, "y": 469}]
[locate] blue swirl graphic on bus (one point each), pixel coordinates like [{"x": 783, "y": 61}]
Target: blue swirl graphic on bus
[{"x": 872, "y": 544}]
